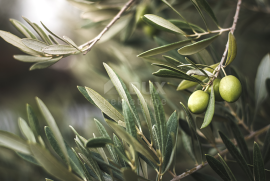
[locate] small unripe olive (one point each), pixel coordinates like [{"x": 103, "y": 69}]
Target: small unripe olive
[
  {"x": 149, "y": 30},
  {"x": 216, "y": 89},
  {"x": 230, "y": 88},
  {"x": 198, "y": 101}
]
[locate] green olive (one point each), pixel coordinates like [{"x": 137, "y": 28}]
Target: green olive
[
  {"x": 149, "y": 30},
  {"x": 216, "y": 90},
  {"x": 198, "y": 101},
  {"x": 230, "y": 88}
]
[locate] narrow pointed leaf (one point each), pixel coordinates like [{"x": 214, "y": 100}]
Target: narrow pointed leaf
[
  {"x": 266, "y": 147},
  {"x": 25, "y": 129},
  {"x": 22, "y": 28},
  {"x": 45, "y": 64},
  {"x": 156, "y": 137},
  {"x": 71, "y": 42},
  {"x": 60, "y": 50},
  {"x": 14, "y": 142},
  {"x": 240, "y": 141},
  {"x": 228, "y": 170},
  {"x": 104, "y": 105},
  {"x": 51, "y": 165},
  {"x": 28, "y": 158},
  {"x": 197, "y": 46},
  {"x": 52, "y": 33},
  {"x": 232, "y": 49},
  {"x": 164, "y": 48},
  {"x": 16, "y": 41},
  {"x": 195, "y": 3},
  {"x": 183, "y": 25},
  {"x": 85, "y": 94},
  {"x": 218, "y": 167},
  {"x": 119, "y": 146},
  {"x": 204, "y": 4},
  {"x": 236, "y": 155},
  {"x": 210, "y": 110},
  {"x": 53, "y": 40},
  {"x": 34, "y": 44},
  {"x": 52, "y": 124},
  {"x": 161, "y": 23},
  {"x": 129, "y": 119},
  {"x": 129, "y": 139},
  {"x": 259, "y": 173},
  {"x": 123, "y": 92},
  {"x": 160, "y": 117},
  {"x": 98, "y": 142},
  {"x": 28, "y": 58}
]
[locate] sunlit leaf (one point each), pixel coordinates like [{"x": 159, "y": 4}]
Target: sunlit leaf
[
  {"x": 210, "y": 110},
  {"x": 104, "y": 105},
  {"x": 14, "y": 142},
  {"x": 71, "y": 42},
  {"x": 197, "y": 46},
  {"x": 258, "y": 170},
  {"x": 161, "y": 23},
  {"x": 60, "y": 50},
  {"x": 53, "y": 33},
  {"x": 51, "y": 165},
  {"x": 25, "y": 129},
  {"x": 232, "y": 49},
  {"x": 164, "y": 48},
  {"x": 236, "y": 155},
  {"x": 34, "y": 44},
  {"x": 28, "y": 58},
  {"x": 52, "y": 124},
  {"x": 23, "y": 29},
  {"x": 45, "y": 64},
  {"x": 218, "y": 167}
]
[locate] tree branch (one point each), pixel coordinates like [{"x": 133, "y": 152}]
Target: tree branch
[
  {"x": 248, "y": 137},
  {"x": 92, "y": 42}
]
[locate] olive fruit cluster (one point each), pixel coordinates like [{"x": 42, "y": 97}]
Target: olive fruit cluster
[{"x": 226, "y": 89}]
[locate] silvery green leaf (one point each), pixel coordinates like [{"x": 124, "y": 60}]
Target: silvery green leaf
[
  {"x": 25, "y": 31},
  {"x": 162, "y": 23},
  {"x": 71, "y": 42},
  {"x": 53, "y": 40},
  {"x": 210, "y": 110},
  {"x": 232, "y": 49},
  {"x": 53, "y": 33},
  {"x": 60, "y": 50},
  {"x": 45, "y": 64},
  {"x": 52, "y": 124},
  {"x": 197, "y": 46},
  {"x": 16, "y": 41},
  {"x": 199, "y": 72},
  {"x": 85, "y": 94},
  {"x": 104, "y": 105},
  {"x": 27, "y": 132},
  {"x": 164, "y": 48},
  {"x": 28, "y": 58},
  {"x": 28, "y": 158},
  {"x": 14, "y": 142},
  {"x": 129, "y": 119},
  {"x": 51, "y": 165},
  {"x": 34, "y": 44}
]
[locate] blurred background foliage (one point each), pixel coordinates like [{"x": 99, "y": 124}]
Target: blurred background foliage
[{"x": 57, "y": 85}]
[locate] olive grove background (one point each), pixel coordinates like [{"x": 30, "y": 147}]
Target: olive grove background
[{"x": 57, "y": 85}]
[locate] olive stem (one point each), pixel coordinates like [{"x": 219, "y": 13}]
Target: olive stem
[
  {"x": 92, "y": 42},
  {"x": 223, "y": 71}
]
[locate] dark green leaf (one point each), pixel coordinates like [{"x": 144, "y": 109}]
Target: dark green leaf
[
  {"x": 164, "y": 48},
  {"x": 187, "y": 144},
  {"x": 104, "y": 105},
  {"x": 172, "y": 61},
  {"x": 161, "y": 23},
  {"x": 27, "y": 58},
  {"x": 45, "y": 64},
  {"x": 129, "y": 175},
  {"x": 85, "y": 94},
  {"x": 156, "y": 137},
  {"x": 217, "y": 167},
  {"x": 118, "y": 145},
  {"x": 34, "y": 44},
  {"x": 204, "y": 4},
  {"x": 266, "y": 147},
  {"x": 240, "y": 141},
  {"x": 210, "y": 110},
  {"x": 183, "y": 25},
  {"x": 14, "y": 142},
  {"x": 258, "y": 170},
  {"x": 197, "y": 46},
  {"x": 52, "y": 124},
  {"x": 236, "y": 155},
  {"x": 51, "y": 165},
  {"x": 228, "y": 170},
  {"x": 25, "y": 31},
  {"x": 98, "y": 142},
  {"x": 207, "y": 131},
  {"x": 60, "y": 50},
  {"x": 232, "y": 49},
  {"x": 28, "y": 158},
  {"x": 27, "y": 132}
]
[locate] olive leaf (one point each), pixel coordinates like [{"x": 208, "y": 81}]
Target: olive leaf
[
  {"x": 258, "y": 169},
  {"x": 210, "y": 109},
  {"x": 22, "y": 28},
  {"x": 98, "y": 142},
  {"x": 232, "y": 49},
  {"x": 25, "y": 129},
  {"x": 28, "y": 58},
  {"x": 34, "y": 44}
]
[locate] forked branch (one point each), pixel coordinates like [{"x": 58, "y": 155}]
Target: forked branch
[{"x": 92, "y": 42}]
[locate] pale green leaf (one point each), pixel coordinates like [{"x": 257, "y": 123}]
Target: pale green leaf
[
  {"x": 164, "y": 48},
  {"x": 104, "y": 105},
  {"x": 34, "y": 44},
  {"x": 162, "y": 23},
  {"x": 22, "y": 28},
  {"x": 27, "y": 132},
  {"x": 28, "y": 58},
  {"x": 71, "y": 42},
  {"x": 183, "y": 25},
  {"x": 197, "y": 46},
  {"x": 45, "y": 64},
  {"x": 232, "y": 49},
  {"x": 60, "y": 50},
  {"x": 210, "y": 110},
  {"x": 85, "y": 94},
  {"x": 52, "y": 124},
  {"x": 14, "y": 142},
  {"x": 53, "y": 33},
  {"x": 51, "y": 165}
]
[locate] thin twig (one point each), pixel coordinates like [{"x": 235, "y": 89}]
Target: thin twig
[
  {"x": 207, "y": 33},
  {"x": 250, "y": 136},
  {"x": 92, "y": 42}
]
